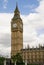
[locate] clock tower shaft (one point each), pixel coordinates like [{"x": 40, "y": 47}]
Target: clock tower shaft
[{"x": 16, "y": 33}]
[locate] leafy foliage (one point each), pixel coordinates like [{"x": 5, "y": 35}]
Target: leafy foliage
[
  {"x": 18, "y": 59},
  {"x": 2, "y": 60}
]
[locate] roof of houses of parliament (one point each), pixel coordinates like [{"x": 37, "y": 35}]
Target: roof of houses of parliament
[{"x": 28, "y": 48}]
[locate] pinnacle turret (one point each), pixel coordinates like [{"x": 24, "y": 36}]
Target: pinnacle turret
[
  {"x": 17, "y": 10},
  {"x": 16, "y": 13}
]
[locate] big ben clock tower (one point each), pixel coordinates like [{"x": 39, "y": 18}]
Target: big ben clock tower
[{"x": 16, "y": 33}]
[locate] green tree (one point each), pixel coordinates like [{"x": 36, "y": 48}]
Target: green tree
[
  {"x": 14, "y": 59},
  {"x": 17, "y": 59},
  {"x": 2, "y": 60}
]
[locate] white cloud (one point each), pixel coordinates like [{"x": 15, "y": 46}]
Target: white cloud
[
  {"x": 32, "y": 23},
  {"x": 5, "y": 29},
  {"x": 5, "y": 19},
  {"x": 5, "y": 43},
  {"x": 40, "y": 9},
  {"x": 5, "y": 4},
  {"x": 5, "y": 0}
]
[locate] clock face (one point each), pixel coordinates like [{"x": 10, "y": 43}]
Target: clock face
[{"x": 14, "y": 25}]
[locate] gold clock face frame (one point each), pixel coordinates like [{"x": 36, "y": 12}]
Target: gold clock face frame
[{"x": 14, "y": 25}]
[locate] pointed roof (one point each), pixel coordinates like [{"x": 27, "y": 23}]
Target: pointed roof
[
  {"x": 16, "y": 9},
  {"x": 16, "y": 13}
]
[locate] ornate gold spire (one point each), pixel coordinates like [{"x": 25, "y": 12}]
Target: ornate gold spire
[
  {"x": 17, "y": 10},
  {"x": 16, "y": 13}
]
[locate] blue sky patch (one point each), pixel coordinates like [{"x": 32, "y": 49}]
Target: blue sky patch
[{"x": 25, "y": 7}]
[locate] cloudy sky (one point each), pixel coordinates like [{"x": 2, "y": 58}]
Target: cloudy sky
[{"x": 32, "y": 14}]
